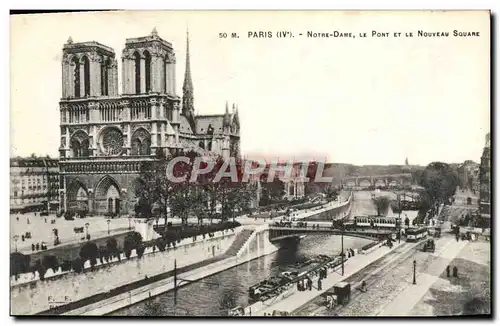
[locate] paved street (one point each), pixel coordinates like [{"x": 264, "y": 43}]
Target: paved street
[
  {"x": 390, "y": 289},
  {"x": 41, "y": 229}
]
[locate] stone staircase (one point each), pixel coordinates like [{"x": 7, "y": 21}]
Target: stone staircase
[{"x": 239, "y": 242}]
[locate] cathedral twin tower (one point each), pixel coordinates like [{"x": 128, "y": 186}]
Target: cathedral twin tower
[
  {"x": 105, "y": 136},
  {"x": 90, "y": 68}
]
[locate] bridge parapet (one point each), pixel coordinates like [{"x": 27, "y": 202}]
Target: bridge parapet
[{"x": 277, "y": 233}]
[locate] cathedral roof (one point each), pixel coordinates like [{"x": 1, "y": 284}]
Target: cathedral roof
[
  {"x": 203, "y": 121},
  {"x": 185, "y": 127},
  {"x": 170, "y": 130}
]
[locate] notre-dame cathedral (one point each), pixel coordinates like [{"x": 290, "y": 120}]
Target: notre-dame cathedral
[{"x": 105, "y": 136}]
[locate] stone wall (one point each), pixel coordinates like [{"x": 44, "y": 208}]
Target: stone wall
[
  {"x": 33, "y": 297},
  {"x": 341, "y": 211}
]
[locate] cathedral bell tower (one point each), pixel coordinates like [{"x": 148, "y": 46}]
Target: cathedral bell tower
[
  {"x": 89, "y": 69},
  {"x": 148, "y": 65}
]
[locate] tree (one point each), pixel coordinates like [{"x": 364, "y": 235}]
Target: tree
[
  {"x": 311, "y": 188},
  {"x": 143, "y": 208},
  {"x": 132, "y": 241},
  {"x": 382, "y": 204},
  {"x": 199, "y": 205},
  {"x": 156, "y": 186},
  {"x": 440, "y": 182},
  {"x": 89, "y": 251},
  {"x": 40, "y": 269},
  {"x": 19, "y": 263},
  {"x": 112, "y": 247},
  {"x": 160, "y": 191},
  {"x": 50, "y": 262},
  {"x": 77, "y": 265},
  {"x": 331, "y": 192}
]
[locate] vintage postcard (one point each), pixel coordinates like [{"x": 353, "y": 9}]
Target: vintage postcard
[{"x": 250, "y": 163}]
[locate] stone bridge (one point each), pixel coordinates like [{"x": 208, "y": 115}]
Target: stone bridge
[
  {"x": 277, "y": 233},
  {"x": 380, "y": 180}
]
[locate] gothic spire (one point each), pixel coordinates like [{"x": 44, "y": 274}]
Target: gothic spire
[
  {"x": 236, "y": 118},
  {"x": 226, "y": 121},
  {"x": 187, "y": 87}
]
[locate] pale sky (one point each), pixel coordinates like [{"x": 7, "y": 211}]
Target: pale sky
[{"x": 349, "y": 100}]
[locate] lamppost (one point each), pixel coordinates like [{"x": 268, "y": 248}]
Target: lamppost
[
  {"x": 16, "y": 237},
  {"x": 87, "y": 230},
  {"x": 414, "y": 272},
  {"x": 109, "y": 221},
  {"x": 129, "y": 219}
]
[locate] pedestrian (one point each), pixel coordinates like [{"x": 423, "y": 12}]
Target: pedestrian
[
  {"x": 455, "y": 271},
  {"x": 32, "y": 247},
  {"x": 17, "y": 218},
  {"x": 448, "y": 271},
  {"x": 45, "y": 220},
  {"x": 37, "y": 246},
  {"x": 28, "y": 220},
  {"x": 319, "y": 284},
  {"x": 363, "y": 286},
  {"x": 310, "y": 284}
]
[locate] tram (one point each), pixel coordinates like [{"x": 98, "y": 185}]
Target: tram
[
  {"x": 416, "y": 234},
  {"x": 377, "y": 221}
]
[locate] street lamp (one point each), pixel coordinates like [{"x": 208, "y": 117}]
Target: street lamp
[
  {"x": 87, "y": 230},
  {"x": 16, "y": 237},
  {"x": 414, "y": 272},
  {"x": 129, "y": 218},
  {"x": 109, "y": 221}
]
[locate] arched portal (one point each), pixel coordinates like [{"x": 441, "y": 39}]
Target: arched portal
[
  {"x": 107, "y": 196},
  {"x": 77, "y": 196}
]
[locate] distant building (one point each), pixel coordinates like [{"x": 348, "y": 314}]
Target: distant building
[
  {"x": 468, "y": 174},
  {"x": 485, "y": 180},
  {"x": 34, "y": 183},
  {"x": 295, "y": 185}
]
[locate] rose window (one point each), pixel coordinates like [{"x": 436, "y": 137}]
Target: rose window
[{"x": 112, "y": 142}]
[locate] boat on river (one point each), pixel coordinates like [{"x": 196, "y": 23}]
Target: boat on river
[{"x": 276, "y": 285}]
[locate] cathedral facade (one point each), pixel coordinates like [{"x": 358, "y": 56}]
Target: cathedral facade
[{"x": 106, "y": 136}]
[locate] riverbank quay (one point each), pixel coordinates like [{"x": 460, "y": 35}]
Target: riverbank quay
[
  {"x": 295, "y": 299},
  {"x": 142, "y": 293},
  {"x": 111, "y": 279}
]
